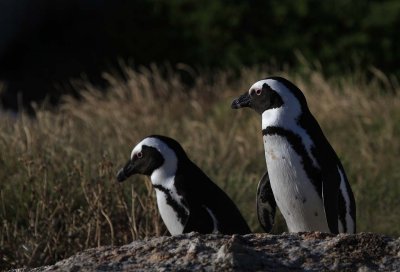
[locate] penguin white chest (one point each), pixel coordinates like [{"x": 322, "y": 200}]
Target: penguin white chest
[
  {"x": 295, "y": 195},
  {"x": 169, "y": 215}
]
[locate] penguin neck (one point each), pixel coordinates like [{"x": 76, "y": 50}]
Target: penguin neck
[
  {"x": 277, "y": 117},
  {"x": 164, "y": 175}
]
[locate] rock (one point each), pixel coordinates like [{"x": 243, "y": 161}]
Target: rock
[{"x": 312, "y": 251}]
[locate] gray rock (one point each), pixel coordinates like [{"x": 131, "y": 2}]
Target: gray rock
[{"x": 312, "y": 251}]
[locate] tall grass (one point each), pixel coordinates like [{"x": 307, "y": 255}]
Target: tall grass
[{"x": 59, "y": 195}]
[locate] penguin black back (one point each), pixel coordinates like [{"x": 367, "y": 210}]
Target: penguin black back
[{"x": 202, "y": 192}]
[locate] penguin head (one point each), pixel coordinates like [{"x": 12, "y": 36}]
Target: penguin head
[
  {"x": 272, "y": 93},
  {"x": 154, "y": 155}
]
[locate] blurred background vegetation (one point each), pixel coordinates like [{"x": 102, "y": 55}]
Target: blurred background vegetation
[
  {"x": 45, "y": 43},
  {"x": 110, "y": 73},
  {"x": 58, "y": 190}
]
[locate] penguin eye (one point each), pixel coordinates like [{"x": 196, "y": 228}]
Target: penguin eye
[
  {"x": 139, "y": 155},
  {"x": 258, "y": 91}
]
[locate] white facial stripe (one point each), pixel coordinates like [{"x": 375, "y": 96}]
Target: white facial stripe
[
  {"x": 258, "y": 85},
  {"x": 169, "y": 167},
  {"x": 153, "y": 142},
  {"x": 287, "y": 96}
]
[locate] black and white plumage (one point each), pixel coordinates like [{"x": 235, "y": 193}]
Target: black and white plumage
[
  {"x": 187, "y": 199},
  {"x": 304, "y": 173}
]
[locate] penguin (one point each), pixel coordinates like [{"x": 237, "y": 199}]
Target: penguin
[
  {"x": 186, "y": 197},
  {"x": 304, "y": 177}
]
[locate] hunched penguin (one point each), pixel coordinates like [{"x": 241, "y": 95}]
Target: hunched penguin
[
  {"x": 186, "y": 197},
  {"x": 304, "y": 175}
]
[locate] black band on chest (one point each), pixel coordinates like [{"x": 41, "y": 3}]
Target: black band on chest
[
  {"x": 178, "y": 208},
  {"x": 312, "y": 172}
]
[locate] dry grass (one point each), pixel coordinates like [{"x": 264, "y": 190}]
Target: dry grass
[{"x": 59, "y": 195}]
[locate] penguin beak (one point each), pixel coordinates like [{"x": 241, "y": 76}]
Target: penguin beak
[
  {"x": 125, "y": 172},
  {"x": 243, "y": 101}
]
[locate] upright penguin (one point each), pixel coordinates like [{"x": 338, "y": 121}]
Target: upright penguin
[
  {"x": 187, "y": 199},
  {"x": 304, "y": 175}
]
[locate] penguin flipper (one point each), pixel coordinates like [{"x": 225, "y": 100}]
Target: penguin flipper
[
  {"x": 330, "y": 167},
  {"x": 199, "y": 221},
  {"x": 330, "y": 194},
  {"x": 266, "y": 205}
]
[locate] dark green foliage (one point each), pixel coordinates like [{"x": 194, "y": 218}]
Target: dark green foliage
[
  {"x": 234, "y": 33},
  {"x": 75, "y": 39}
]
